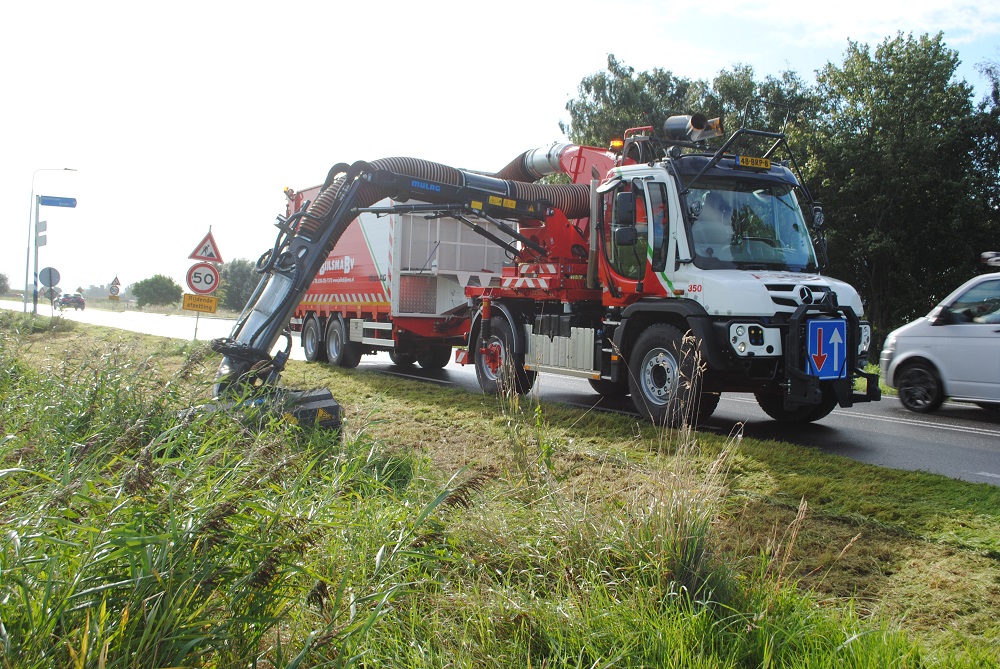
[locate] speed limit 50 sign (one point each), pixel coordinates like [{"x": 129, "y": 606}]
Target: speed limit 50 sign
[{"x": 203, "y": 278}]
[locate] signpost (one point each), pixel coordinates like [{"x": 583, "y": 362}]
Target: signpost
[
  {"x": 203, "y": 279},
  {"x": 40, "y": 240}
]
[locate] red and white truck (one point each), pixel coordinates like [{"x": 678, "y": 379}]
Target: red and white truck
[{"x": 658, "y": 246}]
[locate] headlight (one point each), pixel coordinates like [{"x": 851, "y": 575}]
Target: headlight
[{"x": 890, "y": 344}]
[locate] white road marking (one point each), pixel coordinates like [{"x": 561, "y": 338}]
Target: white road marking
[
  {"x": 900, "y": 421},
  {"x": 990, "y": 474}
]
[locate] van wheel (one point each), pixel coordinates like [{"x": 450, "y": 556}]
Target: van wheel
[
  {"x": 919, "y": 387},
  {"x": 501, "y": 368},
  {"x": 312, "y": 341}
]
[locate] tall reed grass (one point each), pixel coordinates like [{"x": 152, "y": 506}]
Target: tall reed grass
[{"x": 136, "y": 534}]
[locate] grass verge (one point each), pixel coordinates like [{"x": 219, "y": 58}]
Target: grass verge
[{"x": 443, "y": 528}]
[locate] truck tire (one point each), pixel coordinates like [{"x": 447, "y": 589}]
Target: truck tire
[
  {"x": 312, "y": 340},
  {"x": 662, "y": 375},
  {"x": 436, "y": 357},
  {"x": 709, "y": 403},
  {"x": 606, "y": 388},
  {"x": 339, "y": 350},
  {"x": 401, "y": 359},
  {"x": 773, "y": 404},
  {"x": 509, "y": 374}
]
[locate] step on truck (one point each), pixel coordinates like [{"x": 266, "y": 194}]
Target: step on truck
[{"x": 664, "y": 270}]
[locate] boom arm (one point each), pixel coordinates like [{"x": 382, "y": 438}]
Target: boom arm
[{"x": 307, "y": 237}]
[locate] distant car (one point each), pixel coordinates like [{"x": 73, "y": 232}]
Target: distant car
[
  {"x": 954, "y": 351},
  {"x": 74, "y": 301}
]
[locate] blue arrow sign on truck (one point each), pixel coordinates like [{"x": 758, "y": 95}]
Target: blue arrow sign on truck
[
  {"x": 49, "y": 201},
  {"x": 826, "y": 351}
]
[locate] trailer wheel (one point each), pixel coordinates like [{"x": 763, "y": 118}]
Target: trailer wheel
[
  {"x": 312, "y": 340},
  {"x": 402, "y": 359},
  {"x": 773, "y": 404},
  {"x": 662, "y": 375},
  {"x": 499, "y": 367},
  {"x": 436, "y": 357}
]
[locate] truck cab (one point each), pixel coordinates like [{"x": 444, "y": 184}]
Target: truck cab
[{"x": 716, "y": 244}]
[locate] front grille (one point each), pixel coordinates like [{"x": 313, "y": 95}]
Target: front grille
[{"x": 790, "y": 295}]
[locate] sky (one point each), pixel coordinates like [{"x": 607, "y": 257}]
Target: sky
[{"x": 186, "y": 117}]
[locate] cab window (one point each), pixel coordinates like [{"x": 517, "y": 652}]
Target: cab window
[{"x": 659, "y": 225}]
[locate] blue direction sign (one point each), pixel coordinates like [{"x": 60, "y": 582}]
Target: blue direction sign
[
  {"x": 50, "y": 201},
  {"x": 827, "y": 354}
]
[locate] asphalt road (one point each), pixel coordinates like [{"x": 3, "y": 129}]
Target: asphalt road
[{"x": 961, "y": 441}]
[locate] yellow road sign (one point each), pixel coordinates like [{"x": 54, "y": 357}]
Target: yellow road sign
[{"x": 202, "y": 303}]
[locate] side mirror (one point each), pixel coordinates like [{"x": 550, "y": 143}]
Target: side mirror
[
  {"x": 818, "y": 218},
  {"x": 626, "y": 236},
  {"x": 944, "y": 316},
  {"x": 625, "y": 208}
]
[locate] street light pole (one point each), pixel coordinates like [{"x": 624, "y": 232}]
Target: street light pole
[{"x": 32, "y": 219}]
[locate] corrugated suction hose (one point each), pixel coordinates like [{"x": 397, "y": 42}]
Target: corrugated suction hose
[{"x": 572, "y": 199}]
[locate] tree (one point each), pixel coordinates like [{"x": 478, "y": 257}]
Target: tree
[
  {"x": 611, "y": 102},
  {"x": 892, "y": 159},
  {"x": 238, "y": 279},
  {"x": 157, "y": 290},
  {"x": 4, "y": 284}
]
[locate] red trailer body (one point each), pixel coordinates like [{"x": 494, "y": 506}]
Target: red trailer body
[{"x": 393, "y": 282}]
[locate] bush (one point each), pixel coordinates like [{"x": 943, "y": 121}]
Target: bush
[{"x": 157, "y": 290}]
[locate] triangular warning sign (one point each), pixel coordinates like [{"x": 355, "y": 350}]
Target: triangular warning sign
[
  {"x": 207, "y": 250},
  {"x": 322, "y": 414},
  {"x": 116, "y": 282}
]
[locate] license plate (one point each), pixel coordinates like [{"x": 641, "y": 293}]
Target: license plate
[{"x": 753, "y": 162}]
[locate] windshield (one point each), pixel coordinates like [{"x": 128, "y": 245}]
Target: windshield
[{"x": 748, "y": 226}]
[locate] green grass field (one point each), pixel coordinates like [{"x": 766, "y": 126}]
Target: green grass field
[{"x": 443, "y": 528}]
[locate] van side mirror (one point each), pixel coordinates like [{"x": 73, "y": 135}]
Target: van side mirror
[{"x": 944, "y": 316}]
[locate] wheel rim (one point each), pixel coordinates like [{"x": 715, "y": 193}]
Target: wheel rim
[
  {"x": 658, "y": 377},
  {"x": 334, "y": 343},
  {"x": 311, "y": 340},
  {"x": 918, "y": 388}
]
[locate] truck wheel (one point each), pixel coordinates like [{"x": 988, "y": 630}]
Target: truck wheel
[
  {"x": 773, "y": 404},
  {"x": 919, "y": 387},
  {"x": 312, "y": 341},
  {"x": 339, "y": 350},
  {"x": 501, "y": 368},
  {"x": 709, "y": 403},
  {"x": 606, "y": 388},
  {"x": 661, "y": 375},
  {"x": 401, "y": 359},
  {"x": 436, "y": 357}
]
